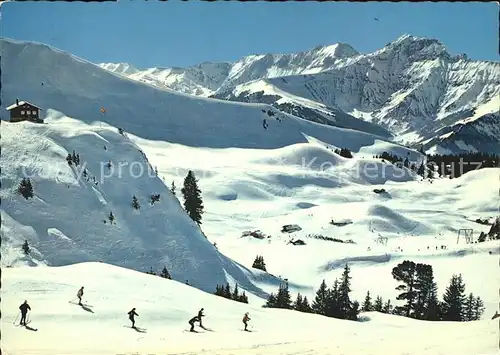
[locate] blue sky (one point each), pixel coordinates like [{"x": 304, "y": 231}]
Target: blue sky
[{"x": 176, "y": 33}]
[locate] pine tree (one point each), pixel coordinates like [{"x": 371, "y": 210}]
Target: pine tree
[
  {"x": 219, "y": 290},
  {"x": 478, "y": 308},
  {"x": 172, "y": 188},
  {"x": 379, "y": 304},
  {"x": 321, "y": 301},
  {"x": 305, "y": 305},
  {"x": 25, "y": 188},
  {"x": 243, "y": 298},
  {"x": 367, "y": 304},
  {"x": 469, "y": 305},
  {"x": 387, "y": 307},
  {"x": 26, "y": 247},
  {"x": 333, "y": 308},
  {"x": 344, "y": 301},
  {"x": 352, "y": 313},
  {"x": 69, "y": 159},
  {"x": 297, "y": 305},
  {"x": 424, "y": 281},
  {"x": 454, "y": 300},
  {"x": 271, "y": 301},
  {"x": 227, "y": 291},
  {"x": 433, "y": 310},
  {"x": 165, "y": 274},
  {"x": 283, "y": 299},
  {"x": 259, "y": 263},
  {"x": 111, "y": 217},
  {"x": 193, "y": 203},
  {"x": 235, "y": 296},
  {"x": 135, "y": 203},
  {"x": 405, "y": 272}
]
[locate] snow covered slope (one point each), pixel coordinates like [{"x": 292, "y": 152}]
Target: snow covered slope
[
  {"x": 413, "y": 87},
  {"x": 164, "y": 307},
  {"x": 81, "y": 89},
  {"x": 66, "y": 86},
  {"x": 67, "y": 220}
]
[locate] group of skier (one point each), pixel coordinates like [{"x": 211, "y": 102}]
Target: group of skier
[{"x": 131, "y": 315}]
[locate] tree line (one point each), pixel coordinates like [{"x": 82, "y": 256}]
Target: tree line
[{"x": 418, "y": 292}]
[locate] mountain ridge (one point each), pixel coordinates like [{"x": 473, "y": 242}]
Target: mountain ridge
[{"x": 411, "y": 87}]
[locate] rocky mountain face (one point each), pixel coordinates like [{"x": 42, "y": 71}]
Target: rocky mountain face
[{"x": 412, "y": 90}]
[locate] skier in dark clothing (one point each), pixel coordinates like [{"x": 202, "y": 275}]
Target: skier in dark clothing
[
  {"x": 80, "y": 295},
  {"x": 131, "y": 315},
  {"x": 191, "y": 322},
  {"x": 246, "y": 318},
  {"x": 200, "y": 314},
  {"x": 24, "y": 310},
  {"x": 264, "y": 123}
]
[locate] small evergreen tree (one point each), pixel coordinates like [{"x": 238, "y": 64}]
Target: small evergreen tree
[
  {"x": 469, "y": 305},
  {"x": 379, "y": 304},
  {"x": 25, "y": 188},
  {"x": 322, "y": 300},
  {"x": 135, "y": 203},
  {"x": 297, "y": 305},
  {"x": 478, "y": 309},
  {"x": 69, "y": 159},
  {"x": 111, "y": 217},
  {"x": 243, "y": 298},
  {"x": 305, "y": 305},
  {"x": 344, "y": 301},
  {"x": 367, "y": 304},
  {"x": 227, "y": 291},
  {"x": 235, "y": 296},
  {"x": 259, "y": 263},
  {"x": 26, "y": 247},
  {"x": 433, "y": 310},
  {"x": 454, "y": 300},
  {"x": 283, "y": 299},
  {"x": 271, "y": 301},
  {"x": 165, "y": 274},
  {"x": 193, "y": 203},
  {"x": 387, "y": 307},
  {"x": 172, "y": 188}
]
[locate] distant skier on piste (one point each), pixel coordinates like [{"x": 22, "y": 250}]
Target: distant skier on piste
[
  {"x": 24, "y": 310},
  {"x": 131, "y": 315},
  {"x": 191, "y": 322},
  {"x": 80, "y": 295},
  {"x": 200, "y": 314},
  {"x": 264, "y": 124},
  {"x": 246, "y": 318}
]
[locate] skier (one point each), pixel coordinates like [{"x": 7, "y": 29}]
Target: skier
[
  {"x": 264, "y": 123},
  {"x": 24, "y": 310},
  {"x": 131, "y": 315},
  {"x": 191, "y": 322},
  {"x": 200, "y": 314},
  {"x": 246, "y": 318},
  {"x": 80, "y": 295}
]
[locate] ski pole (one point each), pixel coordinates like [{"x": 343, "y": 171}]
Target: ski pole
[{"x": 15, "y": 319}]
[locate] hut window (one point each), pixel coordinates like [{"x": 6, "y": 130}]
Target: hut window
[
  {"x": 22, "y": 112},
  {"x": 33, "y": 112}
]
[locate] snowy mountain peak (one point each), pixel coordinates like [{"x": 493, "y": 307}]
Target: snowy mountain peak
[
  {"x": 338, "y": 50},
  {"x": 418, "y": 48},
  {"x": 120, "y": 68}
]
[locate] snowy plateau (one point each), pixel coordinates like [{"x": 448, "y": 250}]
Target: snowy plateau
[{"x": 251, "y": 179}]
